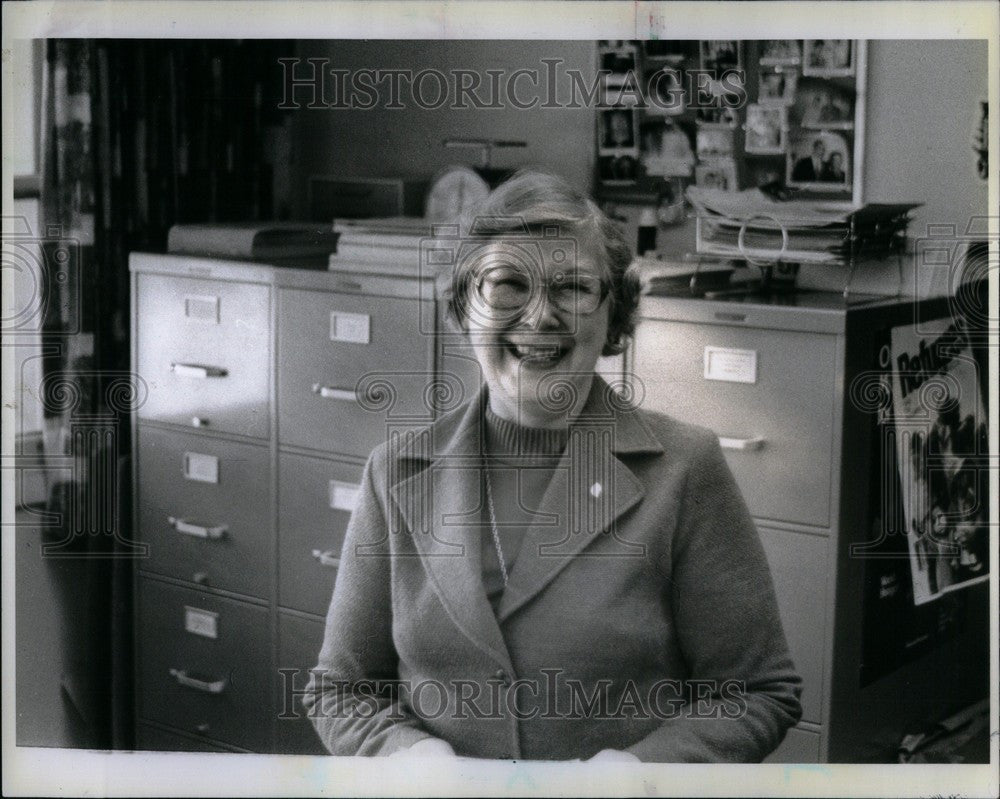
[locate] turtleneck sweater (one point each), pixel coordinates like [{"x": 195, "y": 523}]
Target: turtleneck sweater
[{"x": 520, "y": 461}]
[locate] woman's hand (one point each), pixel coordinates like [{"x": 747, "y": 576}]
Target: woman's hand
[
  {"x": 427, "y": 747},
  {"x": 614, "y": 756}
]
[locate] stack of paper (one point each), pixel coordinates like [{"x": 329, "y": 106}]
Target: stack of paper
[
  {"x": 754, "y": 226},
  {"x": 391, "y": 244}
]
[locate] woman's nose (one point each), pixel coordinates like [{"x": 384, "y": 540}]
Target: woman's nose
[{"x": 541, "y": 314}]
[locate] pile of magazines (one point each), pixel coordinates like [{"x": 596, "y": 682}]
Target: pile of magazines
[
  {"x": 384, "y": 245},
  {"x": 758, "y": 228}
]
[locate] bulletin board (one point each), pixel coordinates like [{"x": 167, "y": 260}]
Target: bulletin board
[{"x": 731, "y": 114}]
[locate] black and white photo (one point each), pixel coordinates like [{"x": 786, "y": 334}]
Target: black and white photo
[
  {"x": 777, "y": 87},
  {"x": 776, "y": 52},
  {"x": 618, "y": 130},
  {"x": 818, "y": 157},
  {"x": 766, "y": 128},
  {"x": 499, "y": 399},
  {"x": 828, "y": 57}
]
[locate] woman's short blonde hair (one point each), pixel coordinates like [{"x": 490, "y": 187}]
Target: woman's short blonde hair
[{"x": 533, "y": 203}]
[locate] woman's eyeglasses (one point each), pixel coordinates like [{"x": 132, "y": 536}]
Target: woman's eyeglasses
[{"x": 511, "y": 290}]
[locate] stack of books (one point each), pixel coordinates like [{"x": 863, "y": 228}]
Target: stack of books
[
  {"x": 390, "y": 244},
  {"x": 256, "y": 241},
  {"x": 755, "y": 227}
]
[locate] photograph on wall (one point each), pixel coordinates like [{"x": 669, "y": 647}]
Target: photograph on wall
[
  {"x": 719, "y": 115},
  {"x": 673, "y": 50},
  {"x": 777, "y": 87},
  {"x": 720, "y": 55},
  {"x": 820, "y": 103},
  {"x": 818, "y": 159},
  {"x": 667, "y": 95},
  {"x": 715, "y": 141},
  {"x": 720, "y": 174},
  {"x": 767, "y": 129},
  {"x": 942, "y": 455},
  {"x": 617, "y": 60},
  {"x": 666, "y": 148},
  {"x": 775, "y": 52},
  {"x": 618, "y": 131},
  {"x": 828, "y": 57},
  {"x": 617, "y": 169}
]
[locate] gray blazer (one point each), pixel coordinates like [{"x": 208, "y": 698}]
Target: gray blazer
[{"x": 640, "y": 613}]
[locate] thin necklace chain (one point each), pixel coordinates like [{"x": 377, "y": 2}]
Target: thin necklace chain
[{"x": 493, "y": 527}]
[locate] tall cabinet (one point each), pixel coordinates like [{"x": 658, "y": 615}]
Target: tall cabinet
[
  {"x": 778, "y": 380},
  {"x": 264, "y": 389}
]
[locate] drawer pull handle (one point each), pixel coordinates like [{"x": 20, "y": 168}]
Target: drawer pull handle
[
  {"x": 198, "y": 530},
  {"x": 742, "y": 444},
  {"x": 205, "y": 686},
  {"x": 329, "y": 392},
  {"x": 327, "y": 558},
  {"x": 196, "y": 371}
]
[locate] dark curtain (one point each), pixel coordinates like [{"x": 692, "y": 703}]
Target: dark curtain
[{"x": 137, "y": 135}]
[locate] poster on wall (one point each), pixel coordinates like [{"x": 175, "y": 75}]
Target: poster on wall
[{"x": 942, "y": 456}]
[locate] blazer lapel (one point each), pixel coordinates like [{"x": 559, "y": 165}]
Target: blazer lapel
[
  {"x": 590, "y": 490},
  {"x": 440, "y": 505}
]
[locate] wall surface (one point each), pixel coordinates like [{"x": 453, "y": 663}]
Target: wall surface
[
  {"x": 922, "y": 101},
  {"x": 384, "y": 142},
  {"x": 923, "y": 97}
]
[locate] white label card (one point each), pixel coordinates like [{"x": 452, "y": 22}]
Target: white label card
[
  {"x": 204, "y": 309},
  {"x": 343, "y": 496},
  {"x": 201, "y": 468},
  {"x": 201, "y": 622},
  {"x": 354, "y": 328},
  {"x": 732, "y": 366}
]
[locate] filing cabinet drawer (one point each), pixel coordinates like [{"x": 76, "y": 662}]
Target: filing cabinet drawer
[
  {"x": 204, "y": 507},
  {"x": 348, "y": 365},
  {"x": 315, "y": 499},
  {"x": 798, "y": 564},
  {"x": 777, "y": 431},
  {"x": 800, "y": 746},
  {"x": 203, "y": 349},
  {"x": 203, "y": 664},
  {"x": 299, "y": 642},
  {"x": 154, "y": 739}
]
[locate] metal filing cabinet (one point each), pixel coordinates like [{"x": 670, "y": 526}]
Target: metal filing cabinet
[
  {"x": 267, "y": 387},
  {"x": 773, "y": 380}
]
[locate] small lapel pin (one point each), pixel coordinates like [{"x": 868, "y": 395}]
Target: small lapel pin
[{"x": 595, "y": 490}]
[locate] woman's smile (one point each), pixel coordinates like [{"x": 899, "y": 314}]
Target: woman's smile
[{"x": 535, "y": 353}]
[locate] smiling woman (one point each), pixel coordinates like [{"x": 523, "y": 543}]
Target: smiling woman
[
  {"x": 536, "y": 265},
  {"x": 549, "y": 572}
]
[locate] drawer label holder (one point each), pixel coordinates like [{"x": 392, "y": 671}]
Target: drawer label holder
[
  {"x": 203, "y": 308},
  {"x": 343, "y": 496},
  {"x": 353, "y": 328},
  {"x": 730, "y": 365},
  {"x": 201, "y": 622},
  {"x": 201, "y": 468}
]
